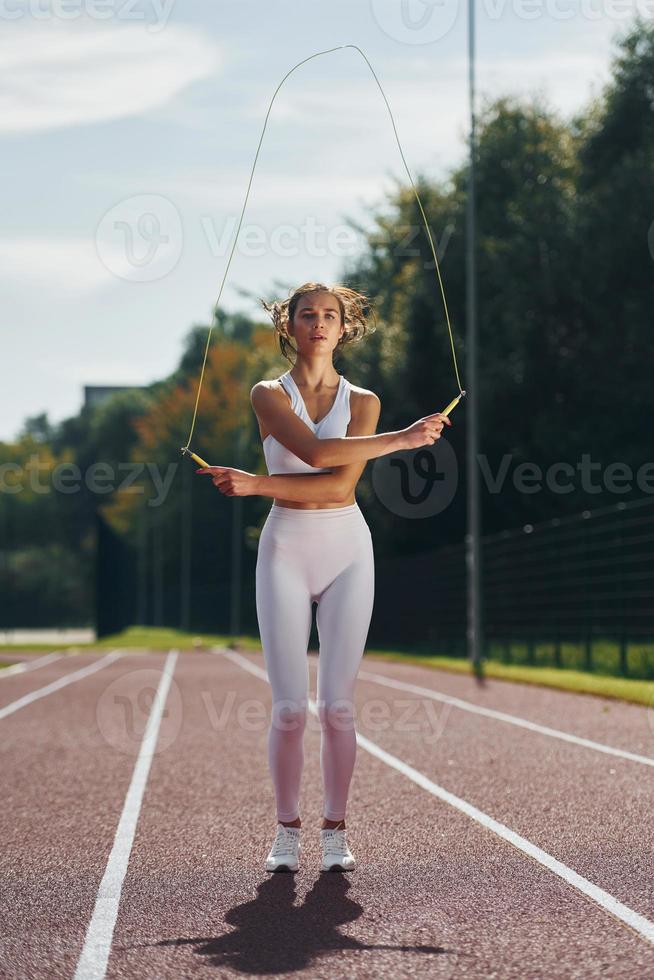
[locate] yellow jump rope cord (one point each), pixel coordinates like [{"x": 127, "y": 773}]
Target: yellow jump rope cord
[{"x": 340, "y": 47}]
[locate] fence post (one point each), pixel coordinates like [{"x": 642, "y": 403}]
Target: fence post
[
  {"x": 588, "y": 626},
  {"x": 624, "y": 665},
  {"x": 530, "y": 652},
  {"x": 557, "y": 650}
]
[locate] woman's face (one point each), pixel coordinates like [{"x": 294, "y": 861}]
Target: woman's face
[{"x": 317, "y": 315}]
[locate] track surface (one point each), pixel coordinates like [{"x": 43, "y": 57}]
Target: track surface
[{"x": 124, "y": 863}]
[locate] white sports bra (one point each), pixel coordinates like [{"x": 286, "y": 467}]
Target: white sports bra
[{"x": 334, "y": 424}]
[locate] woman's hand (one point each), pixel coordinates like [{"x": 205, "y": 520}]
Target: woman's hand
[
  {"x": 232, "y": 482},
  {"x": 424, "y": 432}
]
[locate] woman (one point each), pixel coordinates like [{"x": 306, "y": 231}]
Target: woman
[{"x": 318, "y": 431}]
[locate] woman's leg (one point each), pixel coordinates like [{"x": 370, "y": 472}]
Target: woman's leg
[
  {"x": 343, "y": 619},
  {"x": 284, "y": 614}
]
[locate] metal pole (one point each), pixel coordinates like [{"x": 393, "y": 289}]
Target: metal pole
[
  {"x": 157, "y": 570},
  {"x": 185, "y": 552},
  {"x": 473, "y": 548},
  {"x": 143, "y": 566},
  {"x": 237, "y": 546}
]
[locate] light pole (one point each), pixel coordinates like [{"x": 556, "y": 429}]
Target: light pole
[
  {"x": 185, "y": 551},
  {"x": 237, "y": 548},
  {"x": 142, "y": 605},
  {"x": 473, "y": 544}
]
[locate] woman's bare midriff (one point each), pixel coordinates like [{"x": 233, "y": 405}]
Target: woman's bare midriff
[{"x": 311, "y": 506}]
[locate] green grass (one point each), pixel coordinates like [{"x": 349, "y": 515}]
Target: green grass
[
  {"x": 160, "y": 638},
  {"x": 135, "y": 636},
  {"x": 31, "y": 647},
  {"x": 621, "y": 688},
  {"x": 605, "y": 656},
  {"x": 569, "y": 679}
]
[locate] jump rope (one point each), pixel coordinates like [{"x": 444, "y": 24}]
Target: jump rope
[{"x": 186, "y": 450}]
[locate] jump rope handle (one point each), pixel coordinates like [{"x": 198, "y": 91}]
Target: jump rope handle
[
  {"x": 194, "y": 456},
  {"x": 453, "y": 403}
]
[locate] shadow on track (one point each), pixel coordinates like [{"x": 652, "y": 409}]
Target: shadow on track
[{"x": 273, "y": 935}]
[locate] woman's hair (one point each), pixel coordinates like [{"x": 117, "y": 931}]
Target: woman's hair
[{"x": 355, "y": 309}]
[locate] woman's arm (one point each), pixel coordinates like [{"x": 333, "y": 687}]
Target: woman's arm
[
  {"x": 334, "y": 487},
  {"x": 348, "y": 450},
  {"x": 338, "y": 484},
  {"x": 289, "y": 429},
  {"x": 352, "y": 451},
  {"x": 310, "y": 488},
  {"x": 331, "y": 487}
]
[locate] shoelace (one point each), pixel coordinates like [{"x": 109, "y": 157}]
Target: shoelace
[
  {"x": 284, "y": 843},
  {"x": 335, "y": 842}
]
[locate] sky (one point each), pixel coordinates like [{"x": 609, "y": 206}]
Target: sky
[{"x": 129, "y": 131}]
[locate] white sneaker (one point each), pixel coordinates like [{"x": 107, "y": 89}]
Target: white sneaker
[
  {"x": 336, "y": 855},
  {"x": 285, "y": 851}
]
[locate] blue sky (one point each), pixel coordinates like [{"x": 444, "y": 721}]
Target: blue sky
[{"x": 129, "y": 132}]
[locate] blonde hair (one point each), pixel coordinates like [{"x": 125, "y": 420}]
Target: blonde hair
[{"x": 355, "y": 309}]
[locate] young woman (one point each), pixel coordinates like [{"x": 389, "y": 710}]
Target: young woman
[{"x": 318, "y": 432}]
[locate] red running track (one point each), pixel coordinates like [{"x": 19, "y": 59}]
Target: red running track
[{"x": 173, "y": 840}]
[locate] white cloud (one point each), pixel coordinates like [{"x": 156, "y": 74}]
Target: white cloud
[
  {"x": 93, "y": 371},
  {"x": 349, "y": 160},
  {"x": 71, "y": 265},
  {"x": 67, "y": 74},
  {"x": 429, "y": 108},
  {"x": 277, "y": 191},
  {"x": 74, "y": 265},
  {"x": 566, "y": 81}
]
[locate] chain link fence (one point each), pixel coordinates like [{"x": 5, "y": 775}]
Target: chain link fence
[{"x": 575, "y": 592}]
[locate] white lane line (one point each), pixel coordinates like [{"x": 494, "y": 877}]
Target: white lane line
[
  {"x": 644, "y": 927},
  {"x": 92, "y": 964},
  {"x": 502, "y": 716},
  {"x": 20, "y": 668},
  {"x": 76, "y": 675}
]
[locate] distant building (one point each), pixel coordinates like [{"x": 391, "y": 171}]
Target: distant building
[{"x": 95, "y": 394}]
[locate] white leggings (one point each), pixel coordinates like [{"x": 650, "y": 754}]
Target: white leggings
[{"x": 323, "y": 556}]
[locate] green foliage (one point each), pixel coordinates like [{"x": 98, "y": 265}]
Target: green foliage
[{"x": 43, "y": 585}]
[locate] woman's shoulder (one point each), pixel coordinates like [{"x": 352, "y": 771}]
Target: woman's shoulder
[
  {"x": 363, "y": 401},
  {"x": 268, "y": 392},
  {"x": 266, "y": 385},
  {"x": 363, "y": 395}
]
